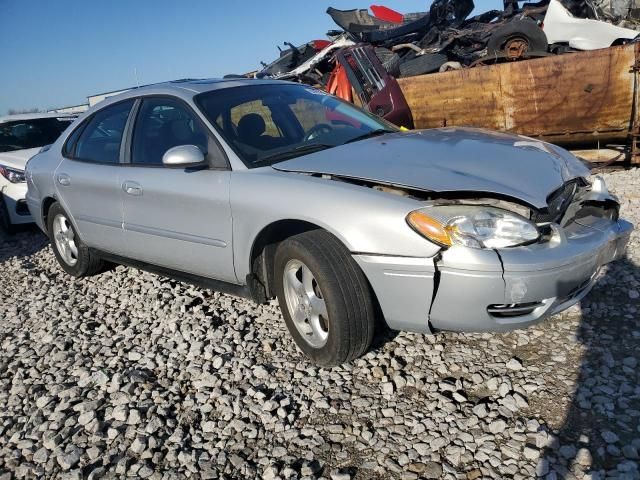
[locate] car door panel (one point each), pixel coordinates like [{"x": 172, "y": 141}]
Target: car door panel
[
  {"x": 180, "y": 220},
  {"x": 174, "y": 217},
  {"x": 88, "y": 178},
  {"x": 91, "y": 195}
]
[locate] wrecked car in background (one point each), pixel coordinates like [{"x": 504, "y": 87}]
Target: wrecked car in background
[
  {"x": 580, "y": 33},
  {"x": 326, "y": 207}
]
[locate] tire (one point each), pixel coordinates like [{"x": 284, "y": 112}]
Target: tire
[
  {"x": 342, "y": 288},
  {"x": 526, "y": 31},
  {"x": 390, "y": 61},
  {"x": 5, "y": 220},
  {"x": 422, "y": 64},
  {"x": 86, "y": 263}
]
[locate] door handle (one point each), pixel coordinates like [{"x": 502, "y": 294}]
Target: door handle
[
  {"x": 132, "y": 188},
  {"x": 64, "y": 179}
]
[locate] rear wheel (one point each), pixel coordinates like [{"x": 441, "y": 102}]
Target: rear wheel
[
  {"x": 72, "y": 254},
  {"x": 324, "y": 297}
]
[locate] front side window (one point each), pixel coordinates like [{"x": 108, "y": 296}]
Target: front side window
[
  {"x": 101, "y": 139},
  {"x": 34, "y": 133},
  {"x": 266, "y": 124},
  {"x": 163, "y": 123}
]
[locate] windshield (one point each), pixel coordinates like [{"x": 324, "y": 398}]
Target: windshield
[
  {"x": 266, "y": 124},
  {"x": 34, "y": 133}
]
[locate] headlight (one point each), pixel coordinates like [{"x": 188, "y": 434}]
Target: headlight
[
  {"x": 11, "y": 174},
  {"x": 473, "y": 226}
]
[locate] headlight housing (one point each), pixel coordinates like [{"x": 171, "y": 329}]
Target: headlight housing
[
  {"x": 12, "y": 174},
  {"x": 473, "y": 226}
]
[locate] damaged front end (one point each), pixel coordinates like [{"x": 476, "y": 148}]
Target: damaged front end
[
  {"x": 513, "y": 287},
  {"x": 477, "y": 285}
]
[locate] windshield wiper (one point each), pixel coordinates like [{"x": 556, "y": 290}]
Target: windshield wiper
[
  {"x": 296, "y": 152},
  {"x": 372, "y": 133}
]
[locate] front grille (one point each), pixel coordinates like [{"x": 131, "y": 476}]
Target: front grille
[{"x": 364, "y": 75}]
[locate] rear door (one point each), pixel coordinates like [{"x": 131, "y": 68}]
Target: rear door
[
  {"x": 176, "y": 217},
  {"x": 87, "y": 179}
]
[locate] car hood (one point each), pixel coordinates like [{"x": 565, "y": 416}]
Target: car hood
[
  {"x": 450, "y": 160},
  {"x": 17, "y": 158}
]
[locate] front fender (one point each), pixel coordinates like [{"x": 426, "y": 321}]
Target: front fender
[{"x": 366, "y": 221}]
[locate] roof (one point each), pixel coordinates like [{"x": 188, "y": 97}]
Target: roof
[
  {"x": 183, "y": 82},
  {"x": 185, "y": 89},
  {"x": 33, "y": 116}
]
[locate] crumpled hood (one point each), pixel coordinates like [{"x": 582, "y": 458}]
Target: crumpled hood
[
  {"x": 18, "y": 158},
  {"x": 451, "y": 160}
]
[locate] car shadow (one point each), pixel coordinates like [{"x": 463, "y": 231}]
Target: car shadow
[
  {"x": 24, "y": 242},
  {"x": 601, "y": 430}
]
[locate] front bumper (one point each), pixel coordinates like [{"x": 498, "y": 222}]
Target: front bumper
[
  {"x": 14, "y": 196},
  {"x": 486, "y": 290}
]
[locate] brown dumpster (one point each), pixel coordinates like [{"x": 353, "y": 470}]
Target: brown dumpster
[{"x": 584, "y": 98}]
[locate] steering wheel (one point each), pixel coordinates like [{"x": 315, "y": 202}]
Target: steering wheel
[{"x": 317, "y": 130}]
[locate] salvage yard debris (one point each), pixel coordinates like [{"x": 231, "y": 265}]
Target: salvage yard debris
[
  {"x": 385, "y": 62},
  {"x": 419, "y": 43}
]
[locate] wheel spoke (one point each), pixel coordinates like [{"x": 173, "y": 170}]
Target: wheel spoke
[
  {"x": 294, "y": 282},
  {"x": 300, "y": 318},
  {"x": 318, "y": 307},
  {"x": 307, "y": 280},
  {"x": 63, "y": 251},
  {"x": 318, "y": 331},
  {"x": 73, "y": 248}
]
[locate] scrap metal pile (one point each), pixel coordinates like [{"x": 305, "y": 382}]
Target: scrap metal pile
[{"x": 361, "y": 61}]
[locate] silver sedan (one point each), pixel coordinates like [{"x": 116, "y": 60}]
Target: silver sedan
[{"x": 271, "y": 189}]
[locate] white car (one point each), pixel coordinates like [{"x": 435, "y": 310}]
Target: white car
[
  {"x": 582, "y": 33},
  {"x": 21, "y": 137}
]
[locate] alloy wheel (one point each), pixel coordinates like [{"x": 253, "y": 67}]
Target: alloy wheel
[
  {"x": 305, "y": 303},
  {"x": 64, "y": 237}
]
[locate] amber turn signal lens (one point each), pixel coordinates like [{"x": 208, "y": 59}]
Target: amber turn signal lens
[{"x": 429, "y": 228}]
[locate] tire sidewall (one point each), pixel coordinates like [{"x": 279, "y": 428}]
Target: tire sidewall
[
  {"x": 80, "y": 267},
  {"x": 294, "y": 249},
  {"x": 525, "y": 29}
]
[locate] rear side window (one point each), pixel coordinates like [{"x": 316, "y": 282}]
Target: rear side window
[
  {"x": 100, "y": 140},
  {"x": 163, "y": 123}
]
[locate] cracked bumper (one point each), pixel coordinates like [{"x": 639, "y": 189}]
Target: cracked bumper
[{"x": 549, "y": 277}]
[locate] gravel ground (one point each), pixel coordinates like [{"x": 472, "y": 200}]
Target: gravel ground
[{"x": 128, "y": 374}]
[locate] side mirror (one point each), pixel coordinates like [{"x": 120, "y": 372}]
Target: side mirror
[{"x": 183, "y": 156}]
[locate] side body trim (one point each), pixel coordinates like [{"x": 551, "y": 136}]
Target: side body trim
[{"x": 175, "y": 235}]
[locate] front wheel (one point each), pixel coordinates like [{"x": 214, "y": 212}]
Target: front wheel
[
  {"x": 72, "y": 254},
  {"x": 324, "y": 297}
]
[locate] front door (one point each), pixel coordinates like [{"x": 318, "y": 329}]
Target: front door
[
  {"x": 88, "y": 178},
  {"x": 174, "y": 217}
]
